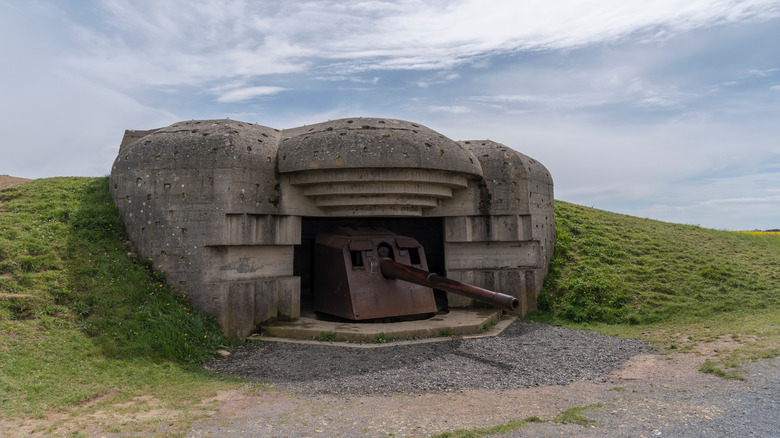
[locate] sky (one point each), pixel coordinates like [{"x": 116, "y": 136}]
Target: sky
[{"x": 665, "y": 109}]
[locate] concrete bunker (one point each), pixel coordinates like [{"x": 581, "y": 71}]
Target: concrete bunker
[{"x": 230, "y": 210}]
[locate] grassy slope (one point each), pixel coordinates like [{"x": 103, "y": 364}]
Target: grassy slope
[
  {"x": 85, "y": 327},
  {"x": 671, "y": 284},
  {"x": 621, "y": 269},
  {"x": 80, "y": 320}
]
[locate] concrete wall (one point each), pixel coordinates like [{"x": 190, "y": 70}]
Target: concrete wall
[{"x": 217, "y": 206}]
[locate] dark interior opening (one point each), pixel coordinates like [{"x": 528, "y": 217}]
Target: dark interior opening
[
  {"x": 428, "y": 231},
  {"x": 414, "y": 256},
  {"x": 357, "y": 258}
]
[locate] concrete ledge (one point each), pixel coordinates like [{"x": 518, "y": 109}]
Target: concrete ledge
[{"x": 456, "y": 324}]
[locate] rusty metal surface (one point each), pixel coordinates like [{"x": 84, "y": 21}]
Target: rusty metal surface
[
  {"x": 393, "y": 269},
  {"x": 348, "y": 281},
  {"x": 370, "y": 273}
]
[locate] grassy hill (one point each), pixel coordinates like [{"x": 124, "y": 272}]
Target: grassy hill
[
  {"x": 80, "y": 318},
  {"x": 614, "y": 268},
  {"x": 85, "y": 325}
]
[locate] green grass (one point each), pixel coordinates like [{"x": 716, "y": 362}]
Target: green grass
[
  {"x": 677, "y": 286},
  {"x": 727, "y": 370},
  {"x": 619, "y": 269},
  {"x": 80, "y": 317},
  {"x": 570, "y": 416},
  {"x": 485, "y": 431},
  {"x": 574, "y": 416},
  {"x": 327, "y": 337}
]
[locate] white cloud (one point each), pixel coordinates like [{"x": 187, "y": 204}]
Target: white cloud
[
  {"x": 441, "y": 77},
  {"x": 247, "y": 93},
  {"x": 429, "y": 35},
  {"x": 512, "y": 103},
  {"x": 762, "y": 73},
  {"x": 64, "y": 125},
  {"x": 772, "y": 200},
  {"x": 731, "y": 198},
  {"x": 178, "y": 41},
  {"x": 628, "y": 167},
  {"x": 455, "y": 109},
  {"x": 551, "y": 91},
  {"x": 750, "y": 213}
]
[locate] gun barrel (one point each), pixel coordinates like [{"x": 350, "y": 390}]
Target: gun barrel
[{"x": 392, "y": 269}]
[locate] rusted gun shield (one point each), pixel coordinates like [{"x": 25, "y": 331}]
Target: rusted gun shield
[{"x": 348, "y": 280}]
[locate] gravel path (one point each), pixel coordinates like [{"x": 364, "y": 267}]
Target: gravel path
[
  {"x": 529, "y": 370},
  {"x": 523, "y": 355}
]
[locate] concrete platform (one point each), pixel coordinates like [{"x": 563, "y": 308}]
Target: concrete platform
[{"x": 455, "y": 324}]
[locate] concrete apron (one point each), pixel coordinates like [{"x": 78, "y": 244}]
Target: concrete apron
[{"x": 455, "y": 324}]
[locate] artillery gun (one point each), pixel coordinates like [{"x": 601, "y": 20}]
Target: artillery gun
[{"x": 370, "y": 273}]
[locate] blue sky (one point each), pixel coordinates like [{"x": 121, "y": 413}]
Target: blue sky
[{"x": 668, "y": 109}]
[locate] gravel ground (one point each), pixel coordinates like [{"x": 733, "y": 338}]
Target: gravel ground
[
  {"x": 748, "y": 409},
  {"x": 708, "y": 408},
  {"x": 529, "y": 370},
  {"x": 523, "y": 355}
]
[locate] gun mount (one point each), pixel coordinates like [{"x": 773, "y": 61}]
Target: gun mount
[{"x": 369, "y": 273}]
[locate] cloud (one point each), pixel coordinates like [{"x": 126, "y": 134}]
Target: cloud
[
  {"x": 65, "y": 125},
  {"x": 627, "y": 166},
  {"x": 185, "y": 42},
  {"x": 425, "y": 35},
  {"x": 762, "y": 73},
  {"x": 736, "y": 199},
  {"x": 771, "y": 200},
  {"x": 745, "y": 213},
  {"x": 512, "y": 103},
  {"x": 247, "y": 93},
  {"x": 456, "y": 109},
  {"x": 548, "y": 90},
  {"x": 441, "y": 77}
]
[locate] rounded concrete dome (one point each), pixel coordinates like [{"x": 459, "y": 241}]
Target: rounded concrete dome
[{"x": 372, "y": 143}]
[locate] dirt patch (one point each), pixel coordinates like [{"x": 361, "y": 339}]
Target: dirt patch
[
  {"x": 139, "y": 410},
  {"x": 91, "y": 418},
  {"x": 97, "y": 398},
  {"x": 4, "y": 295},
  {"x": 8, "y": 181},
  {"x": 722, "y": 345}
]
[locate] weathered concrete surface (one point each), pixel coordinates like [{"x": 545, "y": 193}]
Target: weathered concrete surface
[
  {"x": 200, "y": 199},
  {"x": 470, "y": 323},
  {"x": 515, "y": 223},
  {"x": 372, "y": 143},
  {"x": 218, "y": 205}
]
